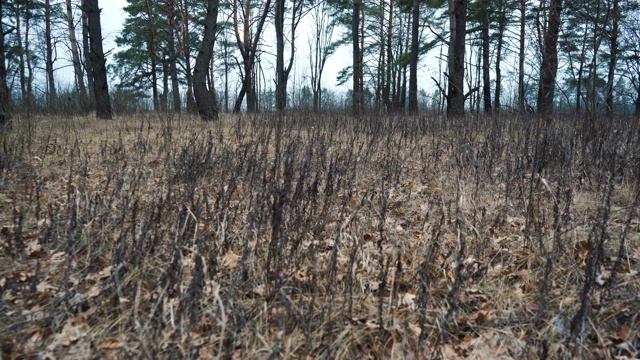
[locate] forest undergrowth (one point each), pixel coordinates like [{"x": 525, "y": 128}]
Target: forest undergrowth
[{"x": 320, "y": 237}]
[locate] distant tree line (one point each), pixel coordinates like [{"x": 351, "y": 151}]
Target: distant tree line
[{"x": 205, "y": 56}]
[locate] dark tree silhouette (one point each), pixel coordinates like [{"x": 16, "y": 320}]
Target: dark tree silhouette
[
  {"x": 458, "y": 25},
  {"x": 549, "y": 67},
  {"x": 205, "y": 97},
  {"x": 5, "y": 117},
  {"x": 98, "y": 61}
]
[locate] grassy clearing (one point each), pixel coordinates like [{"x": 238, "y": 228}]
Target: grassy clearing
[{"x": 320, "y": 237}]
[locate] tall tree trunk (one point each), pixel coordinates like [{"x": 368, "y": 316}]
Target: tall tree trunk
[
  {"x": 319, "y": 51},
  {"x": 154, "y": 83},
  {"x": 521, "y": 99},
  {"x": 486, "y": 76},
  {"x": 502, "y": 23},
  {"x": 380, "y": 71},
  {"x": 51, "y": 94},
  {"x": 387, "y": 89},
  {"x": 164, "y": 97},
  {"x": 413, "y": 63},
  {"x": 101, "y": 88},
  {"x": 5, "y": 115},
  {"x": 583, "y": 57},
  {"x": 87, "y": 54},
  {"x": 27, "y": 31},
  {"x": 173, "y": 56},
  {"x": 614, "y": 56},
  {"x": 458, "y": 25},
  {"x": 355, "y": 30},
  {"x": 361, "y": 60},
  {"x": 281, "y": 84},
  {"x": 186, "y": 18},
  {"x": 205, "y": 97},
  {"x": 549, "y": 67},
  {"x": 22, "y": 65},
  {"x": 226, "y": 75},
  {"x": 75, "y": 57},
  {"x": 248, "y": 49},
  {"x": 592, "y": 92}
]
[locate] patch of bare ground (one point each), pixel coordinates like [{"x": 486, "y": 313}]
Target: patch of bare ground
[{"x": 319, "y": 237}]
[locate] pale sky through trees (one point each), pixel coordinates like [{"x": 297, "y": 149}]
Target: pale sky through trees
[{"x": 113, "y": 17}]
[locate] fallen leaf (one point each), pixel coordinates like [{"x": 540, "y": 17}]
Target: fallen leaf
[{"x": 110, "y": 344}]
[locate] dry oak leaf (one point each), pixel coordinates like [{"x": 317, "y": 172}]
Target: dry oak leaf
[
  {"x": 230, "y": 260},
  {"x": 73, "y": 331}
]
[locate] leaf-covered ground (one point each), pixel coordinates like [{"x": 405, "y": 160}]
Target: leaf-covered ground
[{"x": 320, "y": 237}]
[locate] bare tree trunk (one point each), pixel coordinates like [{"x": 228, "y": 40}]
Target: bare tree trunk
[
  {"x": 521, "y": 100},
  {"x": 583, "y": 57},
  {"x": 281, "y": 84},
  {"x": 486, "y": 76},
  {"x": 87, "y": 54},
  {"x": 549, "y": 67},
  {"x": 51, "y": 94},
  {"x": 226, "y": 76},
  {"x": 173, "y": 69},
  {"x": 319, "y": 51},
  {"x": 413, "y": 64},
  {"x": 186, "y": 17},
  {"x": 458, "y": 24},
  {"x": 5, "y": 115},
  {"x": 21, "y": 48},
  {"x": 248, "y": 49},
  {"x": 614, "y": 56},
  {"x": 502, "y": 23},
  {"x": 164, "y": 97},
  {"x": 355, "y": 30},
  {"x": 380, "y": 71},
  {"x": 154, "y": 83},
  {"x": 27, "y": 31},
  {"x": 101, "y": 87},
  {"x": 205, "y": 97},
  {"x": 387, "y": 89},
  {"x": 75, "y": 57}
]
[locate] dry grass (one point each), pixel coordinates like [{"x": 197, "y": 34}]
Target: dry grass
[{"x": 319, "y": 237}]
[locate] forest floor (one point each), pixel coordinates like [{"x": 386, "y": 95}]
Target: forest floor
[{"x": 320, "y": 237}]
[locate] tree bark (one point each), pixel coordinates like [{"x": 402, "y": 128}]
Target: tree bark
[
  {"x": 51, "y": 93},
  {"x": 355, "y": 30},
  {"x": 248, "y": 49},
  {"x": 27, "y": 31},
  {"x": 486, "y": 76},
  {"x": 164, "y": 97},
  {"x": 22, "y": 65},
  {"x": 387, "y": 89},
  {"x": 154, "y": 83},
  {"x": 549, "y": 67},
  {"x": 205, "y": 97},
  {"x": 173, "y": 56},
  {"x": 77, "y": 67},
  {"x": 413, "y": 64},
  {"x": 380, "y": 71},
  {"x": 502, "y": 23},
  {"x": 186, "y": 18},
  {"x": 521, "y": 99},
  {"x": 458, "y": 24},
  {"x": 614, "y": 56},
  {"x": 86, "y": 49},
  {"x": 98, "y": 61},
  {"x": 5, "y": 115},
  {"x": 281, "y": 84}
]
